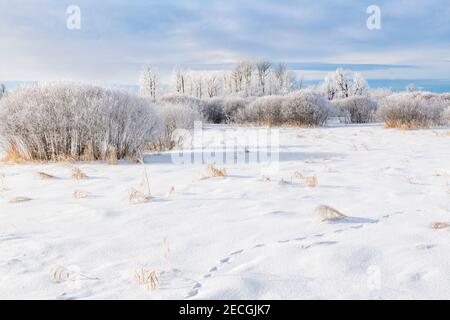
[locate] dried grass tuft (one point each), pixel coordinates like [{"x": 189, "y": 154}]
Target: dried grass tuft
[
  {"x": 137, "y": 197},
  {"x": 111, "y": 157},
  {"x": 311, "y": 181},
  {"x": 19, "y": 199},
  {"x": 80, "y": 194},
  {"x": 61, "y": 274},
  {"x": 215, "y": 172},
  {"x": 13, "y": 155},
  {"x": 45, "y": 176},
  {"x": 77, "y": 174},
  {"x": 149, "y": 278},
  {"x": 439, "y": 225},
  {"x": 298, "y": 176},
  {"x": 325, "y": 213}
]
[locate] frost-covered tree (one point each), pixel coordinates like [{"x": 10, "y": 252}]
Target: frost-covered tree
[
  {"x": 359, "y": 85},
  {"x": 179, "y": 80},
  {"x": 247, "y": 70},
  {"x": 342, "y": 84},
  {"x": 2, "y": 90},
  {"x": 148, "y": 82},
  {"x": 212, "y": 84},
  {"x": 263, "y": 69}
]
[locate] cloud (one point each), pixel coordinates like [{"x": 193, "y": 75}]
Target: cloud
[{"x": 117, "y": 37}]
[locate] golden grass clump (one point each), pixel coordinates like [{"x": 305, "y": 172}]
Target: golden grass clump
[
  {"x": 439, "y": 225},
  {"x": 215, "y": 172},
  {"x": 149, "y": 278},
  {"x": 325, "y": 214},
  {"x": 137, "y": 197},
  {"x": 77, "y": 174},
  {"x": 311, "y": 181},
  {"x": 442, "y": 134},
  {"x": 405, "y": 125},
  {"x": 45, "y": 176},
  {"x": 19, "y": 199},
  {"x": 111, "y": 157},
  {"x": 80, "y": 194},
  {"x": 13, "y": 155}
]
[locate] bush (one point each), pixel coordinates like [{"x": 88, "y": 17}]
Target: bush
[
  {"x": 264, "y": 111},
  {"x": 306, "y": 108},
  {"x": 174, "y": 116},
  {"x": 446, "y": 116},
  {"x": 179, "y": 99},
  {"x": 73, "y": 122},
  {"x": 357, "y": 109},
  {"x": 212, "y": 111},
  {"x": 410, "y": 111},
  {"x": 223, "y": 110}
]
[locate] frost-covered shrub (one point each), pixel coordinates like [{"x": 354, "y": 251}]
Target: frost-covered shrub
[
  {"x": 306, "y": 108},
  {"x": 356, "y": 109},
  {"x": 212, "y": 111},
  {"x": 174, "y": 116},
  {"x": 446, "y": 116},
  {"x": 410, "y": 110},
  {"x": 223, "y": 110},
  {"x": 265, "y": 110},
  {"x": 66, "y": 121},
  {"x": 180, "y": 99}
]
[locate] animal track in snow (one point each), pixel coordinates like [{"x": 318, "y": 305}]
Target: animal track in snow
[{"x": 360, "y": 224}]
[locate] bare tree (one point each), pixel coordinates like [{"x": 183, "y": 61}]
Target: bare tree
[
  {"x": 2, "y": 90},
  {"x": 180, "y": 80},
  {"x": 212, "y": 85},
  {"x": 147, "y": 82},
  {"x": 238, "y": 76},
  {"x": 247, "y": 71},
  {"x": 263, "y": 68}
]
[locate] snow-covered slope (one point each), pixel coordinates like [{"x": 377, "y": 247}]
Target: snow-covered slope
[{"x": 242, "y": 236}]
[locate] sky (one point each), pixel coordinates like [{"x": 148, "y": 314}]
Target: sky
[{"x": 117, "y": 37}]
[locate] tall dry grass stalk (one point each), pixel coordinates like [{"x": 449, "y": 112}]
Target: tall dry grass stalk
[
  {"x": 149, "y": 278},
  {"x": 3, "y": 182}
]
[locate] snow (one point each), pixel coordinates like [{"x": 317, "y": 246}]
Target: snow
[{"x": 238, "y": 237}]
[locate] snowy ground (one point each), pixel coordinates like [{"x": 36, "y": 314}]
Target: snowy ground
[{"x": 239, "y": 237}]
